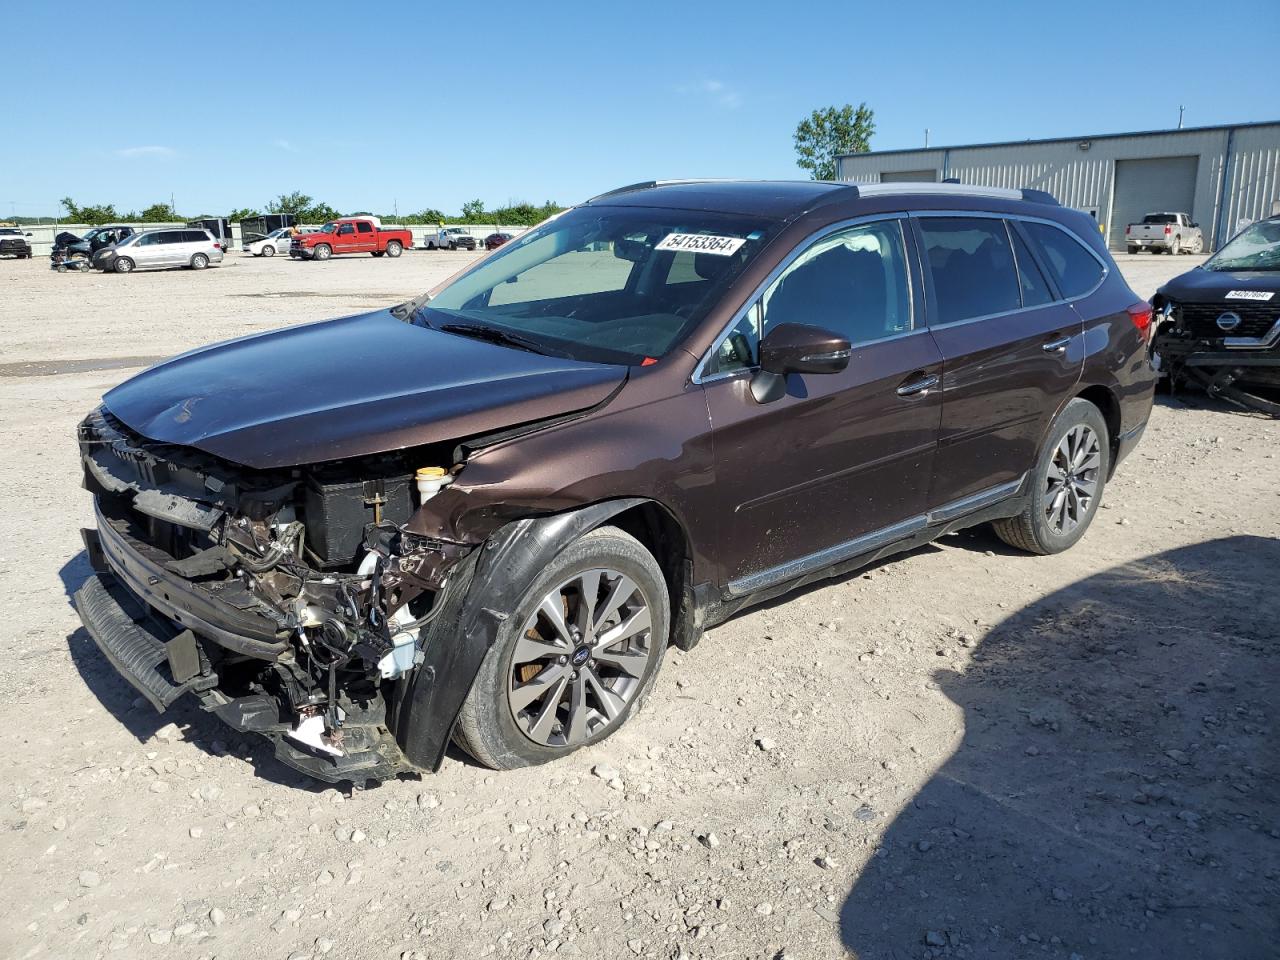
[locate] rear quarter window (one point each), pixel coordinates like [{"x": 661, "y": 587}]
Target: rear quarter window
[{"x": 1073, "y": 265}]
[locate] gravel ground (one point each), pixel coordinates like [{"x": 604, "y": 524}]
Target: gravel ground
[{"x": 961, "y": 752}]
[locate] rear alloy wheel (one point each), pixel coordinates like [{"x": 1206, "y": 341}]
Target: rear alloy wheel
[
  {"x": 323, "y": 252},
  {"x": 1066, "y": 485},
  {"x": 1175, "y": 247},
  {"x": 123, "y": 265},
  {"x": 393, "y": 248},
  {"x": 199, "y": 261},
  {"x": 576, "y": 658}
]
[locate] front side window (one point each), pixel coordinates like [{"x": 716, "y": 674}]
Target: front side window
[
  {"x": 345, "y": 229},
  {"x": 151, "y": 240},
  {"x": 1075, "y": 268},
  {"x": 853, "y": 283},
  {"x": 971, "y": 261},
  {"x": 610, "y": 284}
]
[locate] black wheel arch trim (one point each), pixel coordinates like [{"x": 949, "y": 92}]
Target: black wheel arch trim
[{"x": 483, "y": 589}]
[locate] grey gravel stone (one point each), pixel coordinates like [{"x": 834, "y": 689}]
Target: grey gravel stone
[{"x": 89, "y": 878}]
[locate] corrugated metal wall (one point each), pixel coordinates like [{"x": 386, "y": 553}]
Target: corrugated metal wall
[{"x": 1081, "y": 173}]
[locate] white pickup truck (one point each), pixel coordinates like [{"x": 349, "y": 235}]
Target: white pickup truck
[{"x": 1170, "y": 232}]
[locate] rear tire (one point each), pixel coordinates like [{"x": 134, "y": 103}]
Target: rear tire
[
  {"x": 394, "y": 248},
  {"x": 1175, "y": 248},
  {"x": 1133, "y": 250},
  {"x": 503, "y": 728},
  {"x": 199, "y": 261},
  {"x": 376, "y": 253},
  {"x": 1075, "y": 460}
]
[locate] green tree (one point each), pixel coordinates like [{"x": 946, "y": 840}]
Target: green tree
[
  {"x": 427, "y": 215},
  {"x": 159, "y": 213},
  {"x": 306, "y": 209},
  {"x": 92, "y": 215},
  {"x": 830, "y": 132},
  {"x": 242, "y": 213},
  {"x": 473, "y": 211}
]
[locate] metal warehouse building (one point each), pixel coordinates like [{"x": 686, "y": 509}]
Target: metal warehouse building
[{"x": 1219, "y": 175}]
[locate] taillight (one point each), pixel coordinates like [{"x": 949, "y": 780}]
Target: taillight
[
  {"x": 1141, "y": 314},
  {"x": 1168, "y": 230}
]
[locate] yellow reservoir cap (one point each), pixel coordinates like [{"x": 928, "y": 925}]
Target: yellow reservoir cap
[{"x": 431, "y": 473}]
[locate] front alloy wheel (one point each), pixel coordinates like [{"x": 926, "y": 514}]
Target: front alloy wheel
[
  {"x": 576, "y": 657},
  {"x": 580, "y": 658}
]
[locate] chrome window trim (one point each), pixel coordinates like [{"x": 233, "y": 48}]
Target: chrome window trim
[{"x": 699, "y": 372}]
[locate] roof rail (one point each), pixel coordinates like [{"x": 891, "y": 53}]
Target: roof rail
[
  {"x": 948, "y": 188},
  {"x": 650, "y": 184}
]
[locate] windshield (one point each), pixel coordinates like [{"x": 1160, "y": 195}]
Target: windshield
[
  {"x": 608, "y": 284},
  {"x": 1255, "y": 248},
  {"x": 1160, "y": 218}
]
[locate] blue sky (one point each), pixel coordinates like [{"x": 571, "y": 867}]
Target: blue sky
[{"x": 429, "y": 104}]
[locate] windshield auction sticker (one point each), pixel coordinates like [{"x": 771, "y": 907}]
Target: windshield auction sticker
[
  {"x": 1243, "y": 294},
  {"x": 701, "y": 243}
]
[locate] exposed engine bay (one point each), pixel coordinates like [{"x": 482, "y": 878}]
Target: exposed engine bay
[{"x": 298, "y": 601}]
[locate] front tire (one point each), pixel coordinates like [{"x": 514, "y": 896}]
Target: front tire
[
  {"x": 123, "y": 265},
  {"x": 576, "y": 658},
  {"x": 1066, "y": 483},
  {"x": 322, "y": 252},
  {"x": 268, "y": 251}
]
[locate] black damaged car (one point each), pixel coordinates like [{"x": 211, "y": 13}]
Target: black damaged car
[{"x": 1219, "y": 324}]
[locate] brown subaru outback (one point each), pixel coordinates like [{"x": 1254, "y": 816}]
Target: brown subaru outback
[{"x": 483, "y": 515}]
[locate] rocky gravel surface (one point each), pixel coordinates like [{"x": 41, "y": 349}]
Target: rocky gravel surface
[{"x": 963, "y": 752}]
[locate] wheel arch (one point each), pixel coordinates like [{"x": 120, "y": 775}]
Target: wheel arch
[
  {"x": 1105, "y": 399},
  {"x": 490, "y": 582}
]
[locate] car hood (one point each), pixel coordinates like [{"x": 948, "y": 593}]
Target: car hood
[
  {"x": 1212, "y": 286},
  {"x": 351, "y": 387}
]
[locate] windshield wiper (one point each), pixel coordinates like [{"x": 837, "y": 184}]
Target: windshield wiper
[{"x": 498, "y": 335}]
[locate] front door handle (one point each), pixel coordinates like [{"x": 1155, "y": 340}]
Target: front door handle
[
  {"x": 919, "y": 386},
  {"x": 1056, "y": 346}
]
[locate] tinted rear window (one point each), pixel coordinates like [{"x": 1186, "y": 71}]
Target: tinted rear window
[
  {"x": 972, "y": 266},
  {"x": 1075, "y": 268},
  {"x": 1160, "y": 218}
]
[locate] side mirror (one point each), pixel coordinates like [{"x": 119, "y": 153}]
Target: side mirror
[{"x": 796, "y": 348}]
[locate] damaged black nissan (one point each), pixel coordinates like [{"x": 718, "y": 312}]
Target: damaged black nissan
[
  {"x": 1219, "y": 324},
  {"x": 481, "y": 517}
]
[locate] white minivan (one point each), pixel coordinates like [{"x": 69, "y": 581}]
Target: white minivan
[{"x": 172, "y": 247}]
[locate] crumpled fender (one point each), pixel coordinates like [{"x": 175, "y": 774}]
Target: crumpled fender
[{"x": 483, "y": 591}]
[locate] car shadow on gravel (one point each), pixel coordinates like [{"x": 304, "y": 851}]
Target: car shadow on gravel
[{"x": 1115, "y": 794}]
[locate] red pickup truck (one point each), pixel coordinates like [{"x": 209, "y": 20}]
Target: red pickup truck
[{"x": 350, "y": 235}]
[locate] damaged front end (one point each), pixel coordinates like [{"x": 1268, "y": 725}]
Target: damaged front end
[
  {"x": 292, "y": 603},
  {"x": 1229, "y": 350}
]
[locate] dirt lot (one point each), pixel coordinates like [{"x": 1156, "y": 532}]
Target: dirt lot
[{"x": 963, "y": 752}]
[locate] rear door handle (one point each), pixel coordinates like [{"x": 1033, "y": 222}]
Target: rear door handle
[
  {"x": 912, "y": 388},
  {"x": 1056, "y": 346}
]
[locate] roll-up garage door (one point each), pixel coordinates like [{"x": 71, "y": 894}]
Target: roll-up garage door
[
  {"x": 909, "y": 176},
  {"x": 1158, "y": 185}
]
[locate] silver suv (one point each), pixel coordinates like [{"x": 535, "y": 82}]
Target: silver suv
[{"x": 173, "y": 247}]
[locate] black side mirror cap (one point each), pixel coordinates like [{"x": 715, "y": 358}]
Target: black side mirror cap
[
  {"x": 801, "y": 348},
  {"x": 796, "y": 348}
]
